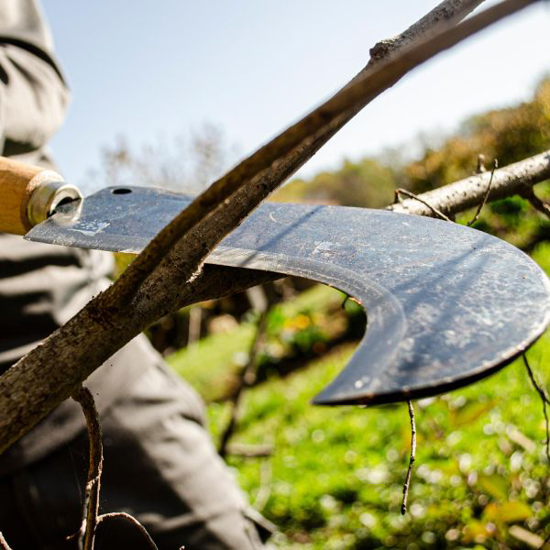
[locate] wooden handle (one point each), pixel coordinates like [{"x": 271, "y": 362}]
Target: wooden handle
[{"x": 28, "y": 195}]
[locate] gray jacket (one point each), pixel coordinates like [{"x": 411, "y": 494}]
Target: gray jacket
[{"x": 43, "y": 286}]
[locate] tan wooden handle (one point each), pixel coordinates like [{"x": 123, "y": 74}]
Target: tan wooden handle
[{"x": 28, "y": 195}]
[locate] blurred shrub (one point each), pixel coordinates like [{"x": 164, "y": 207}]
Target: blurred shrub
[
  {"x": 508, "y": 135},
  {"x": 365, "y": 183}
]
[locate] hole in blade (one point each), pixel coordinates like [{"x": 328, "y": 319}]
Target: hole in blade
[{"x": 121, "y": 191}]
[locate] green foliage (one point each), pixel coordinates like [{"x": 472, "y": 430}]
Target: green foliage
[
  {"x": 335, "y": 477},
  {"x": 508, "y": 135},
  {"x": 366, "y": 183},
  {"x": 298, "y": 330}
]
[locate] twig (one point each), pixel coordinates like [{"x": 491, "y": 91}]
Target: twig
[
  {"x": 437, "y": 212},
  {"x": 345, "y": 301},
  {"x": 536, "y": 203},
  {"x": 90, "y": 508},
  {"x": 133, "y": 521},
  {"x": 266, "y": 475},
  {"x": 545, "y": 401},
  {"x": 467, "y": 193},
  {"x": 486, "y": 196},
  {"x": 249, "y": 451},
  {"x": 444, "y": 15},
  {"x": 3, "y": 543},
  {"x": 90, "y": 517},
  {"x": 247, "y": 379},
  {"x": 411, "y": 459},
  {"x": 480, "y": 164}
]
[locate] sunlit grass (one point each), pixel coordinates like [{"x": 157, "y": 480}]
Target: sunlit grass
[{"x": 335, "y": 477}]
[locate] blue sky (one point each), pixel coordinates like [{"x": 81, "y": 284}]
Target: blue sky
[{"x": 153, "y": 70}]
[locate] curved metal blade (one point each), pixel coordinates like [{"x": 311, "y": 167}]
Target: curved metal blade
[{"x": 446, "y": 304}]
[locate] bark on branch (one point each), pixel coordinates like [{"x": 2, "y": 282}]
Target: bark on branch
[
  {"x": 53, "y": 371},
  {"x": 456, "y": 197}
]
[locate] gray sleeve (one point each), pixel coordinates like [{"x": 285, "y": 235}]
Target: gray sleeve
[
  {"x": 33, "y": 92},
  {"x": 41, "y": 286}
]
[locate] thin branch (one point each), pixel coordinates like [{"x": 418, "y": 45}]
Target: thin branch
[
  {"x": 345, "y": 301},
  {"x": 437, "y": 212},
  {"x": 133, "y": 521},
  {"x": 249, "y": 451},
  {"x": 73, "y": 352},
  {"x": 90, "y": 517},
  {"x": 444, "y": 15},
  {"x": 468, "y": 193},
  {"x": 411, "y": 459},
  {"x": 480, "y": 164},
  {"x": 264, "y": 492},
  {"x": 545, "y": 401},
  {"x": 536, "y": 203},
  {"x": 247, "y": 379},
  {"x": 90, "y": 507},
  {"x": 4, "y": 543},
  {"x": 486, "y": 196}
]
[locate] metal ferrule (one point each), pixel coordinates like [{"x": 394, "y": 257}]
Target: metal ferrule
[{"x": 47, "y": 197}]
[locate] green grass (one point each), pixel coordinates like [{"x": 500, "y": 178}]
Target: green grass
[
  {"x": 335, "y": 477},
  {"x": 211, "y": 364}
]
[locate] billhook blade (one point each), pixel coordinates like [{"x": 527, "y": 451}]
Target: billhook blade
[{"x": 446, "y": 304}]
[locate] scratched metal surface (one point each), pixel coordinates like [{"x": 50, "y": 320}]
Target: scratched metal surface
[{"x": 446, "y": 304}]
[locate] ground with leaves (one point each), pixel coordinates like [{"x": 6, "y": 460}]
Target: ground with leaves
[{"x": 335, "y": 477}]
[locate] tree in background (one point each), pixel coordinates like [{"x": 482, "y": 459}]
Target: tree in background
[
  {"x": 508, "y": 134},
  {"x": 187, "y": 164}
]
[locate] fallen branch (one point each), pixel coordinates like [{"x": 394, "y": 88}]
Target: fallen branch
[
  {"x": 456, "y": 197},
  {"x": 249, "y": 451},
  {"x": 246, "y": 379},
  {"x": 52, "y": 372}
]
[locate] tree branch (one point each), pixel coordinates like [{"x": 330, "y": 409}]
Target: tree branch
[
  {"x": 536, "y": 203},
  {"x": 485, "y": 196},
  {"x": 464, "y": 194},
  {"x": 544, "y": 400},
  {"x": 40, "y": 381},
  {"x": 444, "y": 15},
  {"x": 51, "y": 372},
  {"x": 90, "y": 507},
  {"x": 435, "y": 211}
]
